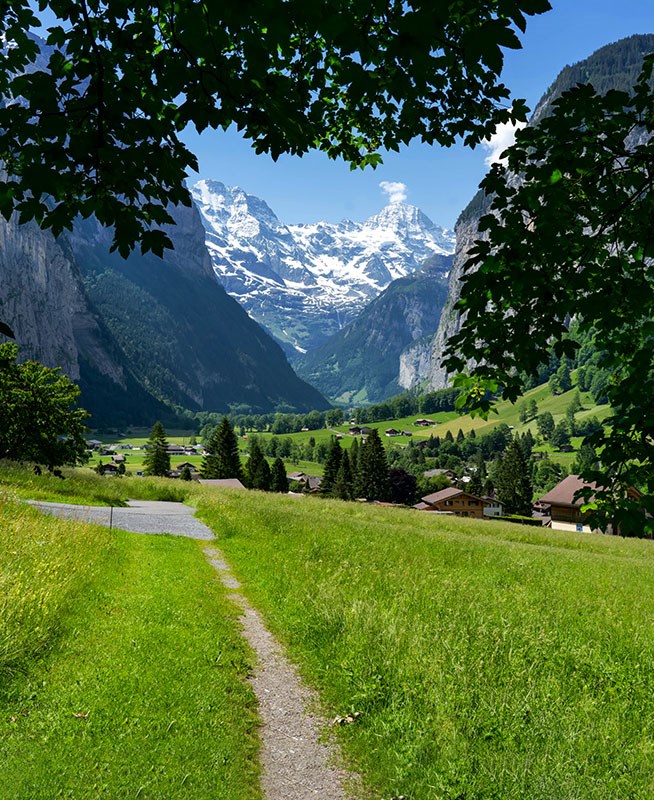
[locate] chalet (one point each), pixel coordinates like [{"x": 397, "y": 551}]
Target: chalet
[
  {"x": 407, "y": 433},
  {"x": 93, "y": 444},
  {"x": 456, "y": 501},
  {"x": 424, "y": 423},
  {"x": 311, "y": 483},
  {"x": 561, "y": 511},
  {"x": 357, "y": 430},
  {"x": 492, "y": 507},
  {"x": 296, "y": 476},
  {"x": 175, "y": 450},
  {"x": 188, "y": 464},
  {"x": 118, "y": 459},
  {"x": 434, "y": 473},
  {"x": 224, "y": 483},
  {"x": 392, "y": 432},
  {"x": 107, "y": 469}
]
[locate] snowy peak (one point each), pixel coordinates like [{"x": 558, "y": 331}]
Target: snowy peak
[
  {"x": 304, "y": 282},
  {"x": 231, "y": 208}
]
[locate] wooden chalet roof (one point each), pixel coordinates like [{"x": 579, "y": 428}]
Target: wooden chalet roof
[
  {"x": 448, "y": 494},
  {"x": 563, "y": 493}
]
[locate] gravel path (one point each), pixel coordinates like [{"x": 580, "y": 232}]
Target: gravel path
[
  {"x": 140, "y": 516},
  {"x": 297, "y": 763}
]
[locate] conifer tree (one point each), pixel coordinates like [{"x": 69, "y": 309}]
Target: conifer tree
[
  {"x": 513, "y": 481},
  {"x": 373, "y": 469},
  {"x": 157, "y": 457},
  {"x": 258, "y": 470},
  {"x": 330, "y": 470},
  {"x": 185, "y": 474},
  {"x": 449, "y": 437},
  {"x": 460, "y": 436},
  {"x": 279, "y": 481},
  {"x": 344, "y": 486},
  {"x": 222, "y": 459}
]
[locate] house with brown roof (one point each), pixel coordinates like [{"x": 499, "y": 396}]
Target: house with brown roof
[
  {"x": 222, "y": 483},
  {"x": 561, "y": 511},
  {"x": 455, "y": 501}
]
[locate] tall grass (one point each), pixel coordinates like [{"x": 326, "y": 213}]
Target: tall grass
[
  {"x": 83, "y": 486},
  {"x": 486, "y": 661},
  {"x": 45, "y": 564},
  {"x": 122, "y": 671}
]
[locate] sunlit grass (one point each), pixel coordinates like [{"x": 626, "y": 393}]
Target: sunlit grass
[
  {"x": 122, "y": 672},
  {"x": 486, "y": 660}
]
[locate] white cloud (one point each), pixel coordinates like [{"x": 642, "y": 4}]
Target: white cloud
[
  {"x": 395, "y": 191},
  {"x": 503, "y": 138}
]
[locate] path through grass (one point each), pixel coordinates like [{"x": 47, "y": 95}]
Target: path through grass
[
  {"x": 486, "y": 661},
  {"x": 132, "y": 682}
]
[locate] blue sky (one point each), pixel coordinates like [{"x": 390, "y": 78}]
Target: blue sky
[{"x": 440, "y": 181}]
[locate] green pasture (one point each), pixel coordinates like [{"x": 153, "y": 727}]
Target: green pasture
[
  {"x": 477, "y": 659},
  {"x": 122, "y": 672}
]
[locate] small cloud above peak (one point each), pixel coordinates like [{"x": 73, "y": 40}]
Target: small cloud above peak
[
  {"x": 394, "y": 190},
  {"x": 502, "y": 139}
]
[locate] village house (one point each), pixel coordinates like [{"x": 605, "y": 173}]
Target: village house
[
  {"x": 392, "y": 432},
  {"x": 455, "y": 501},
  {"x": 424, "y": 423},
  {"x": 435, "y": 473},
  {"x": 224, "y": 483},
  {"x": 559, "y": 509}
]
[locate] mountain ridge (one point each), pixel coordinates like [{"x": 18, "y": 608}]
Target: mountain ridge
[{"x": 305, "y": 282}]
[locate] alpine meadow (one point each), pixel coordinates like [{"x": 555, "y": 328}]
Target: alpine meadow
[{"x": 304, "y": 493}]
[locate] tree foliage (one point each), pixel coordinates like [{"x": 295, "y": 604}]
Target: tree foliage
[
  {"x": 512, "y": 480},
  {"x": 222, "y": 459},
  {"x": 571, "y": 225},
  {"x": 91, "y": 122},
  {"x": 39, "y": 421},
  {"x": 157, "y": 457},
  {"x": 373, "y": 469}
]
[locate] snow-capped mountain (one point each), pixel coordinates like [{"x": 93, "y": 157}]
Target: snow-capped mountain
[{"x": 304, "y": 282}]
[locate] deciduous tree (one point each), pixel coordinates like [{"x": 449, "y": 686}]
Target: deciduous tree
[
  {"x": 39, "y": 420},
  {"x": 97, "y": 129},
  {"x": 572, "y": 231}
]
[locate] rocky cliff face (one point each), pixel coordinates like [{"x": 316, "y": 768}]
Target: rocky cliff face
[
  {"x": 362, "y": 362},
  {"x": 615, "y": 66},
  {"x": 42, "y": 297},
  {"x": 141, "y": 334}
]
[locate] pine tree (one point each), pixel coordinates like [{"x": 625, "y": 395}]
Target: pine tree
[
  {"x": 185, "y": 474},
  {"x": 373, "y": 468},
  {"x": 513, "y": 481},
  {"x": 344, "y": 486},
  {"x": 449, "y": 437},
  {"x": 258, "y": 470},
  {"x": 460, "y": 436},
  {"x": 330, "y": 470},
  {"x": 222, "y": 459},
  {"x": 279, "y": 481},
  {"x": 157, "y": 457}
]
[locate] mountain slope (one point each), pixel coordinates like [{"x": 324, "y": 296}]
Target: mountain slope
[
  {"x": 304, "y": 282},
  {"x": 615, "y": 66},
  {"x": 361, "y": 363},
  {"x": 187, "y": 340}
]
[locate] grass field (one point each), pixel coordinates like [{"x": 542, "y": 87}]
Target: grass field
[
  {"x": 122, "y": 672},
  {"x": 485, "y": 660},
  {"x": 478, "y": 660}
]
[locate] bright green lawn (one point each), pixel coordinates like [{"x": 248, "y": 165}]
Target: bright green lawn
[
  {"x": 122, "y": 672},
  {"x": 487, "y": 661}
]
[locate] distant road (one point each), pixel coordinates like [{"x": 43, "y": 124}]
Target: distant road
[{"x": 140, "y": 516}]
